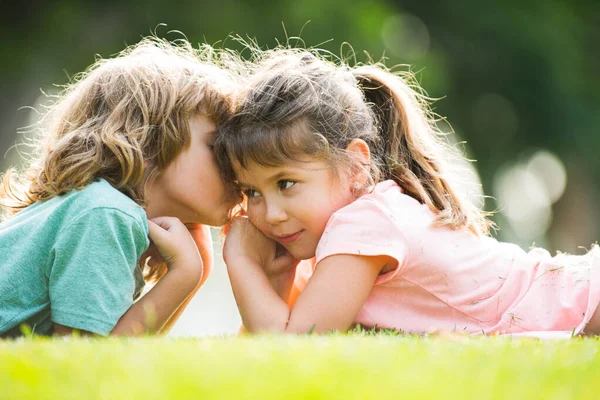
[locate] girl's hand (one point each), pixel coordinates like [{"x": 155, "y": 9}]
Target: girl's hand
[
  {"x": 332, "y": 298},
  {"x": 175, "y": 245},
  {"x": 245, "y": 242}
]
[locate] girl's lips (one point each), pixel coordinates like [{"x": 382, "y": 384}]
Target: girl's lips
[{"x": 289, "y": 238}]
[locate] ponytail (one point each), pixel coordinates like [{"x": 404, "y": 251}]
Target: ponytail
[
  {"x": 410, "y": 150},
  {"x": 298, "y": 102}
]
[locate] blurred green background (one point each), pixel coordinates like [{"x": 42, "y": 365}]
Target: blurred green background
[{"x": 519, "y": 81}]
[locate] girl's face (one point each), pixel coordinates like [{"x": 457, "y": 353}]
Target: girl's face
[
  {"x": 191, "y": 188},
  {"x": 291, "y": 204}
]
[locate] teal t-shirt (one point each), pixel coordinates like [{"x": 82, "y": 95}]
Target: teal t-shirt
[{"x": 71, "y": 260}]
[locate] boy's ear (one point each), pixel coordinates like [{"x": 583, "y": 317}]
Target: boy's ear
[{"x": 359, "y": 150}]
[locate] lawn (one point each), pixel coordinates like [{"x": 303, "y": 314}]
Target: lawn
[{"x": 300, "y": 367}]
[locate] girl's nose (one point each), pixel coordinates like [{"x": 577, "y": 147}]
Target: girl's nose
[{"x": 274, "y": 213}]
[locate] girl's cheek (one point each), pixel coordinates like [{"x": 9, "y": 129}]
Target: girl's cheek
[
  {"x": 253, "y": 214},
  {"x": 256, "y": 215}
]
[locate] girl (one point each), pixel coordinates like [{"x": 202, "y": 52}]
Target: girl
[
  {"x": 126, "y": 145},
  {"x": 344, "y": 167}
]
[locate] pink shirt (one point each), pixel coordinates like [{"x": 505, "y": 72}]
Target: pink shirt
[{"x": 452, "y": 279}]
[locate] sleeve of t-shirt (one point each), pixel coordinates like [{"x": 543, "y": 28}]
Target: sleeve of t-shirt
[
  {"x": 91, "y": 281},
  {"x": 364, "y": 228}
]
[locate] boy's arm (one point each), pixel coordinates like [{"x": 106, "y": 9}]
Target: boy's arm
[
  {"x": 90, "y": 279},
  {"x": 177, "y": 247},
  {"x": 153, "y": 312},
  {"x": 90, "y": 299},
  {"x": 202, "y": 238}
]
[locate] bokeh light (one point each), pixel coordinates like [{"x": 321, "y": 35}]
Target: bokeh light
[
  {"x": 552, "y": 171},
  {"x": 526, "y": 190}
]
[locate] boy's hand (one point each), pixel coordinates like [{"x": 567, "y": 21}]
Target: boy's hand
[
  {"x": 245, "y": 241},
  {"x": 175, "y": 245}
]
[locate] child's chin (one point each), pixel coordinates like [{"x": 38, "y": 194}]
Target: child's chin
[
  {"x": 302, "y": 254},
  {"x": 219, "y": 219}
]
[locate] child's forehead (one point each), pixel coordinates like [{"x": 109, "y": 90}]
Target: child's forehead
[{"x": 253, "y": 172}]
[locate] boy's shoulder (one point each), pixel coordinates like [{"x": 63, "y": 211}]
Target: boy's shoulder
[
  {"x": 98, "y": 201},
  {"x": 101, "y": 194},
  {"x": 99, "y": 204}
]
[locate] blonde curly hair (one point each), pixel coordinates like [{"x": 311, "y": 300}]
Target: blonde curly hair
[{"x": 124, "y": 120}]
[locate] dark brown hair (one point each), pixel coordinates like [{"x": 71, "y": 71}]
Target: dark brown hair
[{"x": 300, "y": 103}]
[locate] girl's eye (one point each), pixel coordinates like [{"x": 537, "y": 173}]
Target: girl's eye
[
  {"x": 251, "y": 193},
  {"x": 285, "y": 184}
]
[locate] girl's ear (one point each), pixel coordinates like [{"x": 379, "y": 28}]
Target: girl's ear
[{"x": 359, "y": 150}]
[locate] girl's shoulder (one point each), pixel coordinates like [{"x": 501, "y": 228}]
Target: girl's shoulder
[
  {"x": 387, "y": 201},
  {"x": 383, "y": 218},
  {"x": 373, "y": 222}
]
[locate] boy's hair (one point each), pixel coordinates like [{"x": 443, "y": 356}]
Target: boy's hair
[
  {"x": 125, "y": 120},
  {"x": 299, "y": 103}
]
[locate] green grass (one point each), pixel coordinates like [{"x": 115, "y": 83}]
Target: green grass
[{"x": 340, "y": 366}]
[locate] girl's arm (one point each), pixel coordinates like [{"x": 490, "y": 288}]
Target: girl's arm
[
  {"x": 331, "y": 300},
  {"x": 281, "y": 276},
  {"x": 283, "y": 284},
  {"x": 282, "y": 273}
]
